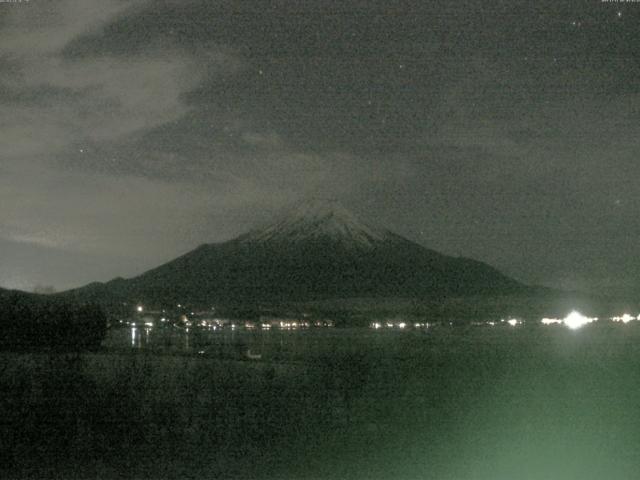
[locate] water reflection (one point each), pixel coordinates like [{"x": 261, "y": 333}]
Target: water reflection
[
  {"x": 139, "y": 336},
  {"x": 284, "y": 339},
  {"x": 240, "y": 343}
]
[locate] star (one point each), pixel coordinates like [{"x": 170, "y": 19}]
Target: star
[{"x": 619, "y": 14}]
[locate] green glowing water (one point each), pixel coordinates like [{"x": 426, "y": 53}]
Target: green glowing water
[{"x": 475, "y": 403}]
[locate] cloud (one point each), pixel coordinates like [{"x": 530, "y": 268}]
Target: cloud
[
  {"x": 263, "y": 140},
  {"x": 123, "y": 215},
  {"x": 517, "y": 128},
  {"x": 88, "y": 99},
  {"x": 43, "y": 28}
]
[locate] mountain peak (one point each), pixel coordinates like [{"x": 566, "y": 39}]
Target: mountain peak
[
  {"x": 317, "y": 250},
  {"x": 319, "y": 219}
]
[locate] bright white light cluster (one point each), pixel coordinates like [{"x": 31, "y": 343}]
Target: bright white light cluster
[
  {"x": 625, "y": 318},
  {"x": 573, "y": 321},
  {"x": 550, "y": 321},
  {"x": 576, "y": 320},
  {"x": 401, "y": 325}
]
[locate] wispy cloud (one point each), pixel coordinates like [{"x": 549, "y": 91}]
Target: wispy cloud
[
  {"x": 87, "y": 99},
  {"x": 44, "y": 28}
]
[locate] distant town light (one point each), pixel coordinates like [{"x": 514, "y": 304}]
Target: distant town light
[
  {"x": 576, "y": 320},
  {"x": 139, "y": 308},
  {"x": 625, "y": 318},
  {"x": 550, "y": 321}
]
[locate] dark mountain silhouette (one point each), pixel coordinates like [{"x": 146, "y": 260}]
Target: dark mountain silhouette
[{"x": 318, "y": 250}]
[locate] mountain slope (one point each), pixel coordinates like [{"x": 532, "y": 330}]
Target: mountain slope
[{"x": 318, "y": 250}]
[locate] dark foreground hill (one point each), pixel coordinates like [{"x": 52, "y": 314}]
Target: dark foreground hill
[
  {"x": 317, "y": 251},
  {"x": 29, "y": 321}
]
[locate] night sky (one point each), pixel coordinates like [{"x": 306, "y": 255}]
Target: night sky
[{"x": 505, "y": 131}]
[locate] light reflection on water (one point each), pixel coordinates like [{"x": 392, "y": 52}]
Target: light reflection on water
[
  {"x": 271, "y": 343},
  {"x": 233, "y": 343},
  {"x": 140, "y": 337},
  {"x": 281, "y": 344}
]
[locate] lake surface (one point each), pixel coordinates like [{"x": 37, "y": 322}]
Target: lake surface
[
  {"x": 270, "y": 345},
  {"x": 473, "y": 403}
]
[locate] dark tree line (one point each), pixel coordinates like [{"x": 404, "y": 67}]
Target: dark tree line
[{"x": 36, "y": 323}]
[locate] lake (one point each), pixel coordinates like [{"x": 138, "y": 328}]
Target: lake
[{"x": 443, "y": 403}]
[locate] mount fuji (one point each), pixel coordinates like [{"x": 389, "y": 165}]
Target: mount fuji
[{"x": 317, "y": 250}]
